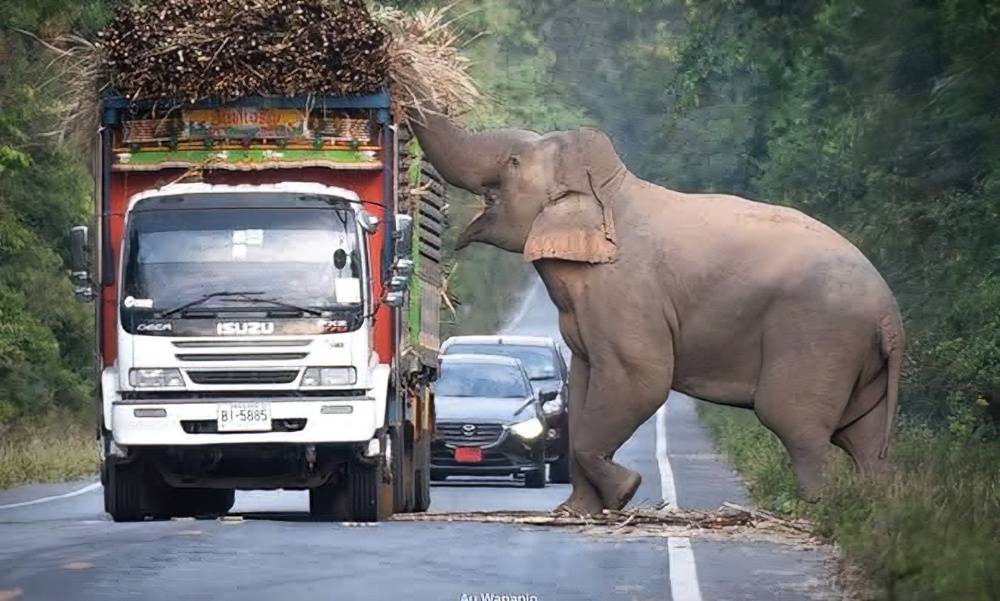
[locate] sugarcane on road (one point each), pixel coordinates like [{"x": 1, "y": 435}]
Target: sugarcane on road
[{"x": 57, "y": 544}]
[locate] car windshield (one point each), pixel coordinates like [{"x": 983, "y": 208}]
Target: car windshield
[
  {"x": 305, "y": 257},
  {"x": 538, "y": 361},
  {"x": 480, "y": 380}
]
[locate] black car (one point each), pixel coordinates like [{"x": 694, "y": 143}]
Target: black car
[
  {"x": 546, "y": 368},
  {"x": 489, "y": 420}
]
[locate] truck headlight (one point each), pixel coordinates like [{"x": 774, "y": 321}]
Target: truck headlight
[
  {"x": 156, "y": 378},
  {"x": 528, "y": 430},
  {"x": 329, "y": 376},
  {"x": 553, "y": 407}
]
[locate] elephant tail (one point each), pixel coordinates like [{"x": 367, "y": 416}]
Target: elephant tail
[{"x": 892, "y": 349}]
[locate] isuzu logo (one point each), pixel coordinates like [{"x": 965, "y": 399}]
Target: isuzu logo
[
  {"x": 469, "y": 429},
  {"x": 244, "y": 328},
  {"x": 155, "y": 327}
]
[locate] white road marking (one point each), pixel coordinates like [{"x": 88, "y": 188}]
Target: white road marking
[
  {"x": 683, "y": 572},
  {"x": 75, "y": 493},
  {"x": 667, "y": 489}
]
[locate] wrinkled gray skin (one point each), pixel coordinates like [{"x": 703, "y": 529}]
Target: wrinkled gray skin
[{"x": 732, "y": 301}]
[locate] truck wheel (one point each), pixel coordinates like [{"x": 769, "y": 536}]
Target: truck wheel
[
  {"x": 401, "y": 468},
  {"x": 422, "y": 474},
  {"x": 125, "y": 490},
  {"x": 559, "y": 470},
  {"x": 365, "y": 502},
  {"x": 535, "y": 478},
  {"x": 329, "y": 501}
]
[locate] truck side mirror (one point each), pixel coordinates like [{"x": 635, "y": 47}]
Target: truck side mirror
[
  {"x": 368, "y": 222},
  {"x": 80, "y": 259},
  {"x": 80, "y": 248},
  {"x": 404, "y": 235}
]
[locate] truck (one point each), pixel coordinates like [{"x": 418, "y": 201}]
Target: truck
[{"x": 266, "y": 274}]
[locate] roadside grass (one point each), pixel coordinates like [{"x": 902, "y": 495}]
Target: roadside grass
[
  {"x": 926, "y": 530},
  {"x": 56, "y": 448}
]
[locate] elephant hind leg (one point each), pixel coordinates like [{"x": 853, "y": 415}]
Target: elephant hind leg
[
  {"x": 618, "y": 402},
  {"x": 863, "y": 437},
  {"x": 804, "y": 416}
]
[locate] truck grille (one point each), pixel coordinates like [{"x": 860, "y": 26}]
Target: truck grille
[
  {"x": 284, "y": 376},
  {"x": 460, "y": 433},
  {"x": 211, "y": 426},
  {"x": 242, "y": 356}
]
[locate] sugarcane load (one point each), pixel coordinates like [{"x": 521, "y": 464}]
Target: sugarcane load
[{"x": 266, "y": 261}]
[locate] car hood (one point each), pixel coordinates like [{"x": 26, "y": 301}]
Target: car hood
[{"x": 481, "y": 410}]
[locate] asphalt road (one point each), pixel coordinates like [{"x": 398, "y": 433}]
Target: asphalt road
[{"x": 55, "y": 547}]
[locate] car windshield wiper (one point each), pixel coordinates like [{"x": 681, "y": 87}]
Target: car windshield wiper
[
  {"x": 208, "y": 297},
  {"x": 273, "y": 302},
  {"x": 527, "y": 404}
]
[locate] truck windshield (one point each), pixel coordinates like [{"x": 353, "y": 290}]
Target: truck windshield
[{"x": 302, "y": 257}]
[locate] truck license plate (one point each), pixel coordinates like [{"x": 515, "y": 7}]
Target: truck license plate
[
  {"x": 245, "y": 417},
  {"x": 468, "y": 454}
]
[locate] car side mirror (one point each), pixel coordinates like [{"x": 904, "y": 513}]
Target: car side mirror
[
  {"x": 80, "y": 263},
  {"x": 549, "y": 395}
]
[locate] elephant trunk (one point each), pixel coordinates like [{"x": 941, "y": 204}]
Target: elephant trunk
[{"x": 468, "y": 160}]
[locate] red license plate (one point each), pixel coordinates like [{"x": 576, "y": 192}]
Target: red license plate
[{"x": 468, "y": 455}]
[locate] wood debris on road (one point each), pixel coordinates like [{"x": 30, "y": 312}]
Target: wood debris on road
[{"x": 643, "y": 521}]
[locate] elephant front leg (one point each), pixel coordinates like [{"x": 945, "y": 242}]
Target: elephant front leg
[
  {"x": 584, "y": 498},
  {"x": 619, "y": 400}
]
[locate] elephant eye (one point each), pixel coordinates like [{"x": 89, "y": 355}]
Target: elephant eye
[{"x": 515, "y": 161}]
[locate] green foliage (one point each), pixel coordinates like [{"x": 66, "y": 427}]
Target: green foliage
[
  {"x": 925, "y": 531},
  {"x": 46, "y": 344},
  {"x": 514, "y": 69}
]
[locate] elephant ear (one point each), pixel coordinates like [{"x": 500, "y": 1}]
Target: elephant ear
[{"x": 577, "y": 222}]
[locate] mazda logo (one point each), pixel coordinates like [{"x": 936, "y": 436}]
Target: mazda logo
[{"x": 469, "y": 429}]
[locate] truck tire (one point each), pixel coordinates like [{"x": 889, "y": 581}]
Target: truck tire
[
  {"x": 422, "y": 474},
  {"x": 535, "y": 478},
  {"x": 365, "y": 501},
  {"x": 559, "y": 470},
  {"x": 126, "y": 489},
  {"x": 401, "y": 469},
  {"x": 329, "y": 501}
]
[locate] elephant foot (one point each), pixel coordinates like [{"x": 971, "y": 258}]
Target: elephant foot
[
  {"x": 626, "y": 490},
  {"x": 580, "y": 503}
]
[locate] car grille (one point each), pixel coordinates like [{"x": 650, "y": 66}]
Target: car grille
[
  {"x": 458, "y": 433},
  {"x": 284, "y": 376}
]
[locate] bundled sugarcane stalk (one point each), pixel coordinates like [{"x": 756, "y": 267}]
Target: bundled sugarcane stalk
[
  {"x": 183, "y": 51},
  {"x": 189, "y": 50}
]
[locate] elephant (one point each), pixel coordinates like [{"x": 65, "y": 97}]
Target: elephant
[{"x": 728, "y": 300}]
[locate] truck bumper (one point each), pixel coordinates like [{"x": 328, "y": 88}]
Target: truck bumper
[{"x": 304, "y": 421}]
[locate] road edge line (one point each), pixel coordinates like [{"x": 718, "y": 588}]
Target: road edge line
[{"x": 75, "y": 493}]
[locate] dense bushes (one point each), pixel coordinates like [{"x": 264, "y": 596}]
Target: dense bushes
[
  {"x": 46, "y": 347},
  {"x": 926, "y": 531}
]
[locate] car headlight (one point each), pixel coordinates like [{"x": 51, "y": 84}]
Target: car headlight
[
  {"x": 553, "y": 407},
  {"x": 156, "y": 378},
  {"x": 329, "y": 376},
  {"x": 532, "y": 428}
]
